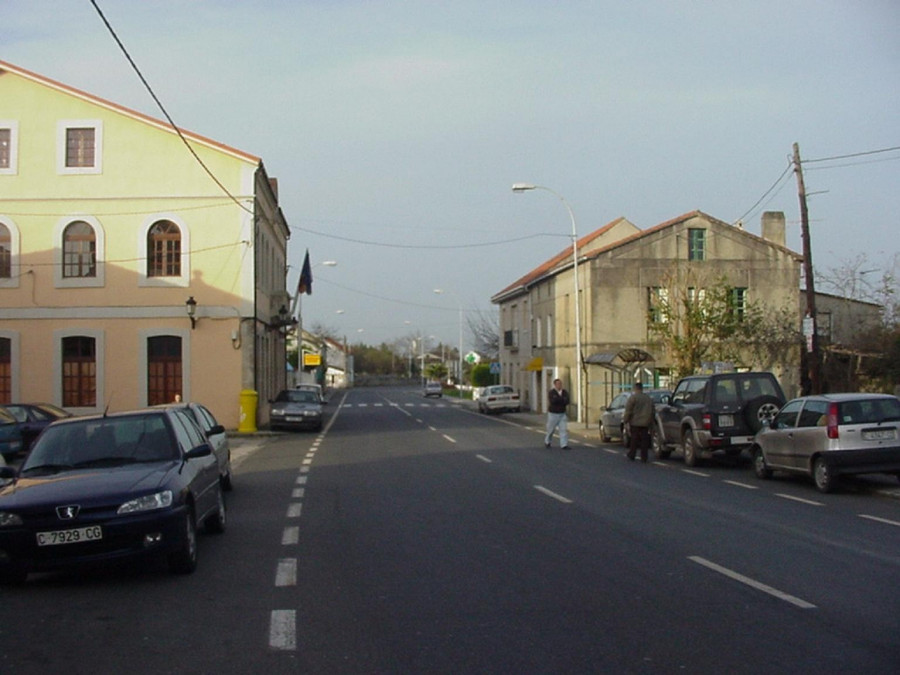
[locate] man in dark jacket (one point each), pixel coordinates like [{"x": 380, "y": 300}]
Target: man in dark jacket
[
  {"x": 638, "y": 416},
  {"x": 556, "y": 415}
]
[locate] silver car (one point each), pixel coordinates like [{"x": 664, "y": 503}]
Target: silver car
[
  {"x": 611, "y": 425},
  {"x": 296, "y": 409},
  {"x": 499, "y": 398},
  {"x": 829, "y": 435}
]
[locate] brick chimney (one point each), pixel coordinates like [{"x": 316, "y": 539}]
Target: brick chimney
[{"x": 773, "y": 227}]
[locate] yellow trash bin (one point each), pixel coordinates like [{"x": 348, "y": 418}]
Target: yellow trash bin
[{"x": 249, "y": 399}]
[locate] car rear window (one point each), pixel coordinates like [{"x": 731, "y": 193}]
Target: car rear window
[{"x": 869, "y": 411}]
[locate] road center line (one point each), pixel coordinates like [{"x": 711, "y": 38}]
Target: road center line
[
  {"x": 552, "y": 494},
  {"x": 799, "y": 499},
  {"x": 697, "y": 473},
  {"x": 452, "y": 440},
  {"x": 746, "y": 486},
  {"x": 283, "y": 629},
  {"x": 880, "y": 520},
  {"x": 731, "y": 574},
  {"x": 485, "y": 459},
  {"x": 290, "y": 536},
  {"x": 286, "y": 574},
  {"x": 294, "y": 510}
]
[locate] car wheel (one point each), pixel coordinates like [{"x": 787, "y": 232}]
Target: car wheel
[
  {"x": 761, "y": 409},
  {"x": 216, "y": 522},
  {"x": 760, "y": 468},
  {"x": 690, "y": 449},
  {"x": 604, "y": 436},
  {"x": 184, "y": 560},
  {"x": 823, "y": 476},
  {"x": 660, "y": 451}
]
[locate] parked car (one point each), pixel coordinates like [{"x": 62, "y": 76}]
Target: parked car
[
  {"x": 296, "y": 409},
  {"x": 10, "y": 435},
  {"x": 433, "y": 389},
  {"x": 119, "y": 486},
  {"x": 611, "y": 425},
  {"x": 499, "y": 398},
  {"x": 215, "y": 434},
  {"x": 830, "y": 435},
  {"x": 316, "y": 388},
  {"x": 715, "y": 412},
  {"x": 33, "y": 417}
]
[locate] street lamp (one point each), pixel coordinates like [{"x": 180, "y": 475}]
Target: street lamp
[
  {"x": 525, "y": 187},
  {"x": 460, "y": 354}
]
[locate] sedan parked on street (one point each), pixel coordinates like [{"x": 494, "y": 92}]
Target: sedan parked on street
[
  {"x": 611, "y": 425},
  {"x": 296, "y": 409},
  {"x": 829, "y": 435},
  {"x": 10, "y": 435},
  {"x": 499, "y": 398},
  {"x": 33, "y": 417},
  {"x": 110, "y": 487}
]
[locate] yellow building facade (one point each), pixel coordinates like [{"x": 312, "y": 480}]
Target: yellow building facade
[{"x": 133, "y": 269}]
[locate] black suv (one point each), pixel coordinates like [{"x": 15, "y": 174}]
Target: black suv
[{"x": 708, "y": 413}]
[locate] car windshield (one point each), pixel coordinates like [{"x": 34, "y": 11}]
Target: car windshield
[
  {"x": 297, "y": 396},
  {"x": 101, "y": 442}
]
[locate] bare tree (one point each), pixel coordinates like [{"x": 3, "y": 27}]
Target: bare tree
[{"x": 485, "y": 329}]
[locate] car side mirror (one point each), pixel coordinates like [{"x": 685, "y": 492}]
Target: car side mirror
[
  {"x": 200, "y": 451},
  {"x": 217, "y": 429}
]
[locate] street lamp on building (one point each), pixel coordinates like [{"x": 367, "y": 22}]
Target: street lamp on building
[
  {"x": 460, "y": 354},
  {"x": 525, "y": 187}
]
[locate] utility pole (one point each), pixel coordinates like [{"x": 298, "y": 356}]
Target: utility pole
[{"x": 810, "y": 328}]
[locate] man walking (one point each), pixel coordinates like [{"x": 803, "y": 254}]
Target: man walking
[
  {"x": 556, "y": 415},
  {"x": 638, "y": 416}
]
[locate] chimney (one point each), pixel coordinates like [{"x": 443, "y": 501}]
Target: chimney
[{"x": 773, "y": 227}]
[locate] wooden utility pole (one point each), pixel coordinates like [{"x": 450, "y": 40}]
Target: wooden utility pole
[{"x": 810, "y": 328}]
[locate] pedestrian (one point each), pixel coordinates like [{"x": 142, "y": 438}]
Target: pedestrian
[
  {"x": 638, "y": 416},
  {"x": 556, "y": 415}
]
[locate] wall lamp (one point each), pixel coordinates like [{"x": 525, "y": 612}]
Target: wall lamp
[
  {"x": 283, "y": 321},
  {"x": 191, "y": 307}
]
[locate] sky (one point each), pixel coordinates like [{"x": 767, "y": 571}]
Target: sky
[{"x": 396, "y": 129}]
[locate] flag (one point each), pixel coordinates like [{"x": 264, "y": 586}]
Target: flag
[{"x": 305, "y": 284}]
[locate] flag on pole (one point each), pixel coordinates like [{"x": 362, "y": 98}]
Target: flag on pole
[{"x": 305, "y": 284}]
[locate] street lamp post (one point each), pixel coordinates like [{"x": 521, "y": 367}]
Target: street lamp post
[
  {"x": 524, "y": 187},
  {"x": 460, "y": 354}
]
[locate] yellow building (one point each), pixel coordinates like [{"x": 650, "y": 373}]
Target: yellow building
[{"x": 137, "y": 264}]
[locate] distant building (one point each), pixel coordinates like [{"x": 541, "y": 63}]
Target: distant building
[
  {"x": 127, "y": 275},
  {"x": 619, "y": 268}
]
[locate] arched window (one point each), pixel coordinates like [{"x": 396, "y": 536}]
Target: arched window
[
  {"x": 79, "y": 250},
  {"x": 164, "y": 250},
  {"x": 5, "y": 252}
]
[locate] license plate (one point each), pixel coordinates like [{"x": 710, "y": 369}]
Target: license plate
[
  {"x": 74, "y": 536},
  {"x": 726, "y": 420},
  {"x": 879, "y": 435}
]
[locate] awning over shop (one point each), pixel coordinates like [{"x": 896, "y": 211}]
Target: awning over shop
[
  {"x": 536, "y": 364},
  {"x": 620, "y": 360}
]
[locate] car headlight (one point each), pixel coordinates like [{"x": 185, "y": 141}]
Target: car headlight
[
  {"x": 9, "y": 519},
  {"x": 160, "y": 500}
]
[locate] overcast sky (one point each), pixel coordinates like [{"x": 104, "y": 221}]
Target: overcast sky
[{"x": 396, "y": 129}]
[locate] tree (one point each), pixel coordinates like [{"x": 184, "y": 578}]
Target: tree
[
  {"x": 698, "y": 316},
  {"x": 485, "y": 329},
  {"x": 436, "y": 371}
]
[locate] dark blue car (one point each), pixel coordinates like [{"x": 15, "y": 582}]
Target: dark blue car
[{"x": 121, "y": 486}]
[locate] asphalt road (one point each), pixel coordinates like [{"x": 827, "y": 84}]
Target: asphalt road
[{"x": 417, "y": 536}]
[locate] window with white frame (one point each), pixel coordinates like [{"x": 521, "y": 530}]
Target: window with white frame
[
  {"x": 9, "y": 144},
  {"x": 79, "y": 253},
  {"x": 79, "y": 146}
]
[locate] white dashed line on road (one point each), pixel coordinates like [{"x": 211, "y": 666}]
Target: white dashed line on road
[
  {"x": 283, "y": 629},
  {"x": 552, "y": 494},
  {"x": 731, "y": 574}
]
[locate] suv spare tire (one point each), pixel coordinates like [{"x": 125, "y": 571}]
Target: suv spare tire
[{"x": 759, "y": 409}]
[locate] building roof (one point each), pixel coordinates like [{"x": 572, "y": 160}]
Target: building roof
[
  {"x": 562, "y": 260},
  {"x": 128, "y": 112}
]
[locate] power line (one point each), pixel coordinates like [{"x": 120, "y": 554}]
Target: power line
[
  {"x": 165, "y": 112},
  {"x": 851, "y": 155},
  {"x": 784, "y": 173},
  {"x": 419, "y": 246}
]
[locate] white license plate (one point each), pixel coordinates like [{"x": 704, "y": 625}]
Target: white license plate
[
  {"x": 879, "y": 435},
  {"x": 74, "y": 536},
  {"x": 726, "y": 420}
]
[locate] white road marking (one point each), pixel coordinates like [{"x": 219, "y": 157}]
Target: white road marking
[
  {"x": 697, "y": 473},
  {"x": 485, "y": 459},
  {"x": 746, "y": 486},
  {"x": 283, "y": 629},
  {"x": 301, "y": 480},
  {"x": 610, "y": 451},
  {"x": 555, "y": 496},
  {"x": 297, "y": 493},
  {"x": 880, "y": 520},
  {"x": 452, "y": 440},
  {"x": 802, "y": 604},
  {"x": 799, "y": 499},
  {"x": 290, "y": 536},
  {"x": 286, "y": 574},
  {"x": 294, "y": 510}
]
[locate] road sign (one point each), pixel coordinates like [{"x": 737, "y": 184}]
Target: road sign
[
  {"x": 495, "y": 368},
  {"x": 472, "y": 358}
]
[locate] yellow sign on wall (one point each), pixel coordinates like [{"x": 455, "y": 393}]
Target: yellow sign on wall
[{"x": 311, "y": 360}]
